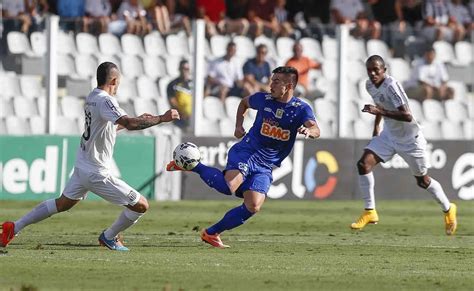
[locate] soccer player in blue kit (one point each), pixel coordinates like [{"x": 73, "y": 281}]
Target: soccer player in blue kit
[{"x": 248, "y": 174}]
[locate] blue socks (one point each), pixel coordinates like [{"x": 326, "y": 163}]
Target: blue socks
[
  {"x": 213, "y": 177},
  {"x": 233, "y": 218}
]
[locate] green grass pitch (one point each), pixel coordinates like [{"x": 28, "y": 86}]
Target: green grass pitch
[{"x": 301, "y": 245}]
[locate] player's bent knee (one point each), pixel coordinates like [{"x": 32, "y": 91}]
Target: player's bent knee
[
  {"x": 64, "y": 204},
  {"x": 141, "y": 206},
  {"x": 363, "y": 167},
  {"x": 253, "y": 207}
]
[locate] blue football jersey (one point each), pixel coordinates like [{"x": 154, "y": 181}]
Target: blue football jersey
[{"x": 274, "y": 131}]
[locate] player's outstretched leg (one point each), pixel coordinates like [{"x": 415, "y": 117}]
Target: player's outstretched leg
[
  {"x": 213, "y": 177},
  {"x": 449, "y": 209},
  {"x": 42, "y": 211}
]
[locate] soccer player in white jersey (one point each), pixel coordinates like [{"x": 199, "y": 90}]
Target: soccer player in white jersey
[
  {"x": 103, "y": 117},
  {"x": 401, "y": 135}
]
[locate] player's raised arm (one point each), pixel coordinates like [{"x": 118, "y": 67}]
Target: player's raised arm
[
  {"x": 147, "y": 120},
  {"x": 310, "y": 129},
  {"x": 239, "y": 118}
]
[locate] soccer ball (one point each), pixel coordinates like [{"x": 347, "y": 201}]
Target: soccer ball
[{"x": 186, "y": 155}]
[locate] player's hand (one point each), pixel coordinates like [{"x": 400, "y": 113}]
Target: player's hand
[
  {"x": 239, "y": 131},
  {"x": 372, "y": 109},
  {"x": 170, "y": 115},
  {"x": 304, "y": 131}
]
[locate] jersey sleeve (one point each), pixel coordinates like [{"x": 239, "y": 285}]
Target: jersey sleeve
[
  {"x": 110, "y": 110},
  {"x": 306, "y": 114},
  {"x": 397, "y": 95},
  {"x": 256, "y": 101}
]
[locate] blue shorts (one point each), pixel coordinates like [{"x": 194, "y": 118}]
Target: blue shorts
[{"x": 257, "y": 174}]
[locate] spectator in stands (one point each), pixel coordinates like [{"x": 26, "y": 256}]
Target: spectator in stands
[
  {"x": 281, "y": 15},
  {"x": 437, "y": 23},
  {"x": 409, "y": 13},
  {"x": 309, "y": 17},
  {"x": 179, "y": 95},
  {"x": 461, "y": 18},
  {"x": 37, "y": 10},
  {"x": 225, "y": 77},
  {"x": 71, "y": 13},
  {"x": 303, "y": 65},
  {"x": 97, "y": 14},
  {"x": 429, "y": 79},
  {"x": 14, "y": 11},
  {"x": 132, "y": 13},
  {"x": 257, "y": 72},
  {"x": 213, "y": 12},
  {"x": 352, "y": 11},
  {"x": 181, "y": 12},
  {"x": 236, "y": 18},
  {"x": 262, "y": 18}
]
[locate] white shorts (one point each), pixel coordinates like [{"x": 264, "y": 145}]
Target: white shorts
[
  {"x": 413, "y": 152},
  {"x": 108, "y": 187}
]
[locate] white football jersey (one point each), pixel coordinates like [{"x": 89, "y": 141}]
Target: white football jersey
[
  {"x": 97, "y": 142},
  {"x": 390, "y": 95}
]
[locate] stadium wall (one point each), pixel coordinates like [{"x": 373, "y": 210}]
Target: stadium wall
[
  {"x": 325, "y": 169},
  {"x": 37, "y": 167}
]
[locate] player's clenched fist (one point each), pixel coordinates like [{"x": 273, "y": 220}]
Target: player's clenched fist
[
  {"x": 239, "y": 131},
  {"x": 170, "y": 115}
]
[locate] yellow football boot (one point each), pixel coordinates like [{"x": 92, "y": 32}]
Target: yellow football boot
[
  {"x": 450, "y": 220},
  {"x": 368, "y": 216}
]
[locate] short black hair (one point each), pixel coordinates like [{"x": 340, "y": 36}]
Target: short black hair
[
  {"x": 289, "y": 71},
  {"x": 103, "y": 72},
  {"x": 182, "y": 63},
  {"x": 375, "y": 58}
]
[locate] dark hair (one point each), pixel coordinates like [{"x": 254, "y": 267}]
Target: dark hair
[
  {"x": 103, "y": 72},
  {"x": 288, "y": 71},
  {"x": 261, "y": 46},
  {"x": 182, "y": 62},
  {"x": 231, "y": 43},
  {"x": 375, "y": 58}
]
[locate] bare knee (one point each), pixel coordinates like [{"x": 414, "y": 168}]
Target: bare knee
[
  {"x": 423, "y": 181},
  {"x": 363, "y": 167},
  {"x": 253, "y": 207},
  {"x": 64, "y": 204},
  {"x": 141, "y": 206}
]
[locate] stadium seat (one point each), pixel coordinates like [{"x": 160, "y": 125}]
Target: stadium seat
[
  {"x": 132, "y": 45},
  {"x": 399, "y": 69},
  {"x": 231, "y": 105},
  {"x": 10, "y": 85},
  {"x": 66, "y": 126},
  {"x": 65, "y": 65},
  {"x": 37, "y": 125},
  {"x": 6, "y": 107},
  {"x": 131, "y": 66},
  {"x": 127, "y": 89},
  {"x": 331, "y": 91},
  {"x": 464, "y": 53},
  {"x": 24, "y": 107},
  {"x": 227, "y": 127},
  {"x": 378, "y": 47},
  {"x": 66, "y": 43},
  {"x": 213, "y": 108},
  {"x": 262, "y": 39},
  {"x": 312, "y": 48},
  {"x": 452, "y": 130},
  {"x": 108, "y": 58},
  {"x": 460, "y": 90},
  {"x": 416, "y": 110},
  {"x": 210, "y": 128},
  {"x": 245, "y": 47},
  {"x": 330, "y": 48},
  {"x": 86, "y": 66},
  {"x": 351, "y": 111},
  {"x": 207, "y": 48},
  {"x": 325, "y": 110},
  {"x": 154, "y": 67},
  {"x": 363, "y": 129},
  {"x": 284, "y": 47},
  {"x": 109, "y": 44},
  {"x": 17, "y": 125},
  {"x": 172, "y": 65},
  {"x": 356, "y": 49},
  {"x": 147, "y": 88},
  {"x": 72, "y": 106},
  {"x": 363, "y": 94},
  {"x": 177, "y": 45},
  {"x": 330, "y": 69},
  {"x": 456, "y": 111},
  {"x": 468, "y": 128},
  {"x": 433, "y": 110},
  {"x": 444, "y": 51},
  {"x": 326, "y": 128},
  {"x": 38, "y": 43},
  {"x": 366, "y": 117},
  {"x": 356, "y": 72},
  {"x": 219, "y": 45},
  {"x": 314, "y": 76},
  {"x": 155, "y": 44},
  {"x": 18, "y": 43},
  {"x": 142, "y": 105},
  {"x": 31, "y": 86},
  {"x": 128, "y": 107},
  {"x": 249, "y": 119},
  {"x": 87, "y": 44},
  {"x": 163, "y": 85},
  {"x": 3, "y": 126},
  {"x": 431, "y": 129}
]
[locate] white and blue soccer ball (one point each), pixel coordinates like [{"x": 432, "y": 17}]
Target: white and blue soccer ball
[{"x": 186, "y": 155}]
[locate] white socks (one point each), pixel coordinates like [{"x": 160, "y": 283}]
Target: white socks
[
  {"x": 42, "y": 211},
  {"x": 367, "y": 184},
  {"x": 126, "y": 219},
  {"x": 438, "y": 194}
]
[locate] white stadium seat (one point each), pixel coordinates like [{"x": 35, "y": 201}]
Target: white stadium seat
[
  {"x": 109, "y": 44},
  {"x": 227, "y": 127},
  {"x": 24, "y": 107},
  {"x": 163, "y": 86},
  {"x": 3, "y": 126},
  {"x": 131, "y": 66},
  {"x": 330, "y": 69},
  {"x": 6, "y": 107},
  {"x": 172, "y": 65},
  {"x": 327, "y": 129},
  {"x": 213, "y": 108},
  {"x": 207, "y": 48},
  {"x": 86, "y": 66},
  {"x": 66, "y": 126},
  {"x": 31, "y": 86},
  {"x": 87, "y": 44},
  {"x": 17, "y": 125},
  {"x": 245, "y": 47},
  {"x": 18, "y": 43},
  {"x": 363, "y": 94},
  {"x": 330, "y": 48},
  {"x": 177, "y": 45},
  {"x": 147, "y": 88},
  {"x": 325, "y": 110},
  {"x": 399, "y": 69},
  {"x": 154, "y": 67},
  {"x": 10, "y": 85},
  {"x": 460, "y": 90},
  {"x": 142, "y": 105},
  {"x": 38, "y": 43},
  {"x": 455, "y": 110},
  {"x": 66, "y": 43},
  {"x": 363, "y": 129},
  {"x": 464, "y": 52},
  {"x": 231, "y": 105},
  {"x": 262, "y": 39},
  {"x": 127, "y": 89},
  {"x": 356, "y": 49},
  {"x": 312, "y": 48},
  {"x": 132, "y": 45},
  {"x": 431, "y": 130},
  {"x": 356, "y": 71},
  {"x": 219, "y": 44},
  {"x": 452, "y": 130},
  {"x": 37, "y": 125},
  {"x": 284, "y": 47},
  {"x": 378, "y": 47},
  {"x": 72, "y": 106},
  {"x": 433, "y": 110},
  {"x": 416, "y": 109},
  {"x": 65, "y": 65},
  {"x": 210, "y": 127},
  {"x": 444, "y": 51},
  {"x": 468, "y": 127},
  {"x": 108, "y": 58},
  {"x": 155, "y": 44}
]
